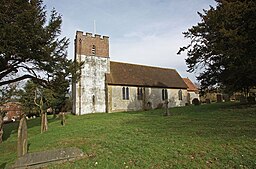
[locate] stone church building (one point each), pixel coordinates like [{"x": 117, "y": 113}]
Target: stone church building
[{"x": 107, "y": 86}]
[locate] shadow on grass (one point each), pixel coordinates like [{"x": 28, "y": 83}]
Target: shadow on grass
[
  {"x": 3, "y": 165},
  {"x": 11, "y": 128}
]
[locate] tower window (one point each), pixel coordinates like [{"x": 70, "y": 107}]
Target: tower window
[
  {"x": 164, "y": 94},
  {"x": 93, "y": 100},
  {"x": 125, "y": 92},
  {"x": 93, "y": 50}
]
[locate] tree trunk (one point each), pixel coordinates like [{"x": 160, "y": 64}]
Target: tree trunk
[
  {"x": 44, "y": 123},
  {"x": 1, "y": 127}
]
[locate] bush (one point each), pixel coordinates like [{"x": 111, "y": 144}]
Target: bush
[
  {"x": 251, "y": 99},
  {"x": 195, "y": 102}
]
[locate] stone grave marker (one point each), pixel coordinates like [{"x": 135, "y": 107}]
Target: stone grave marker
[
  {"x": 22, "y": 146},
  {"x": 42, "y": 159}
]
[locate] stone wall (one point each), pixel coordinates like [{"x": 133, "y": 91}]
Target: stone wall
[
  {"x": 152, "y": 98},
  {"x": 193, "y": 95}
]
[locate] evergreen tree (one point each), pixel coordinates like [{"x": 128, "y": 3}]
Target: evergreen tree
[
  {"x": 223, "y": 46},
  {"x": 30, "y": 47}
]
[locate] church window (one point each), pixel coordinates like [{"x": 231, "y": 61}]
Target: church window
[
  {"x": 93, "y": 50},
  {"x": 164, "y": 94},
  {"x": 180, "y": 94},
  {"x": 125, "y": 92},
  {"x": 93, "y": 100},
  {"x": 140, "y": 93}
]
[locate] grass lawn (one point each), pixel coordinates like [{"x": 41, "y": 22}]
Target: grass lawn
[{"x": 206, "y": 136}]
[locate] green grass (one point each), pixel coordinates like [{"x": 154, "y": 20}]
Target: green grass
[{"x": 206, "y": 136}]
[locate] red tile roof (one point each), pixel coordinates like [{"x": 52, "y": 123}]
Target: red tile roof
[
  {"x": 140, "y": 75},
  {"x": 191, "y": 86}
]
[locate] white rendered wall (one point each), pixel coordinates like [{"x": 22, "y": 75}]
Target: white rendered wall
[{"x": 91, "y": 89}]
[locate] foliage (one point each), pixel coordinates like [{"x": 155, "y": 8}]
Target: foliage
[
  {"x": 54, "y": 97},
  {"x": 223, "y": 45},
  {"x": 30, "y": 47},
  {"x": 9, "y": 92},
  {"x": 27, "y": 98},
  {"x": 206, "y": 136}
]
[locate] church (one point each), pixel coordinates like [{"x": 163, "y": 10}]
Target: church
[{"x": 107, "y": 86}]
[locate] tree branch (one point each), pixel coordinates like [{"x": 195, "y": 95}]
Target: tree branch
[{"x": 22, "y": 78}]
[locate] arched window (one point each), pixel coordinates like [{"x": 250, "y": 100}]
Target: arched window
[
  {"x": 180, "y": 94},
  {"x": 140, "y": 93},
  {"x": 125, "y": 93},
  {"x": 93, "y": 50},
  {"x": 164, "y": 94}
]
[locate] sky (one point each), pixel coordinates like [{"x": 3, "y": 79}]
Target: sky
[{"x": 147, "y": 32}]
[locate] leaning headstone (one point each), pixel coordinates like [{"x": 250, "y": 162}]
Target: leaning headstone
[
  {"x": 167, "y": 113},
  {"x": 22, "y": 146},
  {"x": 219, "y": 98},
  {"x": 62, "y": 118},
  {"x": 208, "y": 101}
]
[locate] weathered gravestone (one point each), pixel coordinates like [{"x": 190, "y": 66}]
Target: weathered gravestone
[
  {"x": 42, "y": 159},
  {"x": 167, "y": 113},
  {"x": 22, "y": 146},
  {"x": 62, "y": 118},
  {"x": 219, "y": 98}
]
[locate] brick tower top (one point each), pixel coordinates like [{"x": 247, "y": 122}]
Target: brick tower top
[{"x": 90, "y": 45}]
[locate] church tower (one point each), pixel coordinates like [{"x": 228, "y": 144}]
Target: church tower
[{"x": 89, "y": 93}]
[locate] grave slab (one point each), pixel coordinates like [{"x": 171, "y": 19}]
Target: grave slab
[{"x": 42, "y": 159}]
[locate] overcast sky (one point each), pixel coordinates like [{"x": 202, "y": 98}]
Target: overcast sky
[{"x": 147, "y": 32}]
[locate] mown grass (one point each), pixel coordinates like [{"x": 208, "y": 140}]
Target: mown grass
[{"x": 206, "y": 136}]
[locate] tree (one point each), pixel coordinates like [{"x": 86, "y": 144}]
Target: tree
[
  {"x": 223, "y": 45},
  {"x": 27, "y": 95},
  {"x": 29, "y": 45}
]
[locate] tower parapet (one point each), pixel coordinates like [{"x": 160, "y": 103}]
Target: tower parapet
[{"x": 89, "y": 45}]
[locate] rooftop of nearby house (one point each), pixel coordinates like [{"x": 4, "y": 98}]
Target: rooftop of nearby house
[
  {"x": 147, "y": 76},
  {"x": 191, "y": 85}
]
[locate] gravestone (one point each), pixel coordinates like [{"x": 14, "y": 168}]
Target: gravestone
[
  {"x": 45, "y": 158},
  {"x": 62, "y": 118},
  {"x": 167, "y": 113},
  {"x": 22, "y": 146},
  {"x": 219, "y": 98}
]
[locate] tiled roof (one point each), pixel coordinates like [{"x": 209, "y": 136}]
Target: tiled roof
[
  {"x": 191, "y": 86},
  {"x": 140, "y": 75}
]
